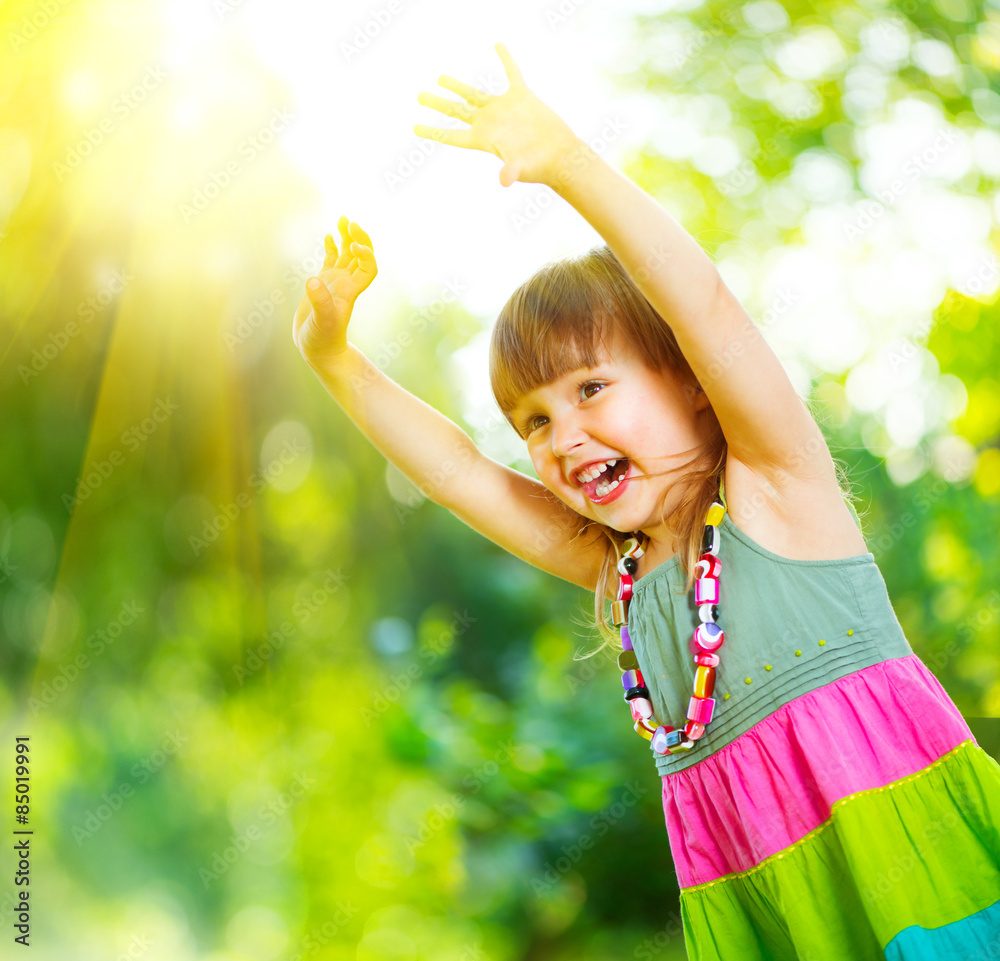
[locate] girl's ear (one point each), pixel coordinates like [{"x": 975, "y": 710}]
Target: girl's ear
[{"x": 696, "y": 395}]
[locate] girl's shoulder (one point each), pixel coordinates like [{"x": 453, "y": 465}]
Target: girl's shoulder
[{"x": 795, "y": 518}]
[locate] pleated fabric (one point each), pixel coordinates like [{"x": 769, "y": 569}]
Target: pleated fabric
[{"x": 859, "y": 820}]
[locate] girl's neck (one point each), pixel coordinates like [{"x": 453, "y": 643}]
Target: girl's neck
[{"x": 657, "y": 553}]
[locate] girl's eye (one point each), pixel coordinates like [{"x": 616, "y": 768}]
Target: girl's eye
[{"x": 532, "y": 422}]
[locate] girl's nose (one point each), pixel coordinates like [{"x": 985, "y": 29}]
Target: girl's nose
[{"x": 566, "y": 435}]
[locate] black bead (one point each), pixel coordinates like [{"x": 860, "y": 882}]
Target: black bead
[
  {"x": 631, "y": 565},
  {"x": 634, "y": 692}
]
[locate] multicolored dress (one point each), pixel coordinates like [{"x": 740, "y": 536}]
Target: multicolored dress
[{"x": 838, "y": 806}]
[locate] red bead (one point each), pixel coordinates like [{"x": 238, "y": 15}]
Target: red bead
[
  {"x": 708, "y": 637},
  {"x": 624, "y": 587},
  {"x": 694, "y": 729},
  {"x": 641, "y": 707},
  {"x": 710, "y": 565},
  {"x": 700, "y": 709},
  {"x": 706, "y": 660}
]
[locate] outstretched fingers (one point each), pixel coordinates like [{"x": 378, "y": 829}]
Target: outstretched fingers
[
  {"x": 450, "y": 108},
  {"x": 475, "y": 96},
  {"x": 454, "y": 138},
  {"x": 513, "y": 74}
]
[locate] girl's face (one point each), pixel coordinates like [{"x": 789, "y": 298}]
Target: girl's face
[{"x": 644, "y": 420}]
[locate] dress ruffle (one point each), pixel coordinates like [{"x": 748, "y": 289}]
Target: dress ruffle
[{"x": 857, "y": 821}]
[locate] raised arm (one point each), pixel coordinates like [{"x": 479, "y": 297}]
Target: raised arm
[
  {"x": 767, "y": 425},
  {"x": 440, "y": 459}
]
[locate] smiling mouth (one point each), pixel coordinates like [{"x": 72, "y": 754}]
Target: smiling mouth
[{"x": 608, "y": 483}]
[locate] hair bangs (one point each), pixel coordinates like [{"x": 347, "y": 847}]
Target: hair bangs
[{"x": 550, "y": 326}]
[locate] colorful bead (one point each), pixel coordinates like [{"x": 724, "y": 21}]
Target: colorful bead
[
  {"x": 627, "y": 661},
  {"x": 639, "y": 729},
  {"x": 710, "y": 543},
  {"x": 694, "y": 729},
  {"x": 659, "y": 740},
  {"x": 798, "y": 654},
  {"x": 706, "y": 590},
  {"x": 704, "y": 681},
  {"x": 624, "y": 588},
  {"x": 700, "y": 709},
  {"x": 640, "y": 707},
  {"x": 632, "y": 547},
  {"x": 708, "y": 637},
  {"x": 707, "y": 613},
  {"x": 649, "y": 724}
]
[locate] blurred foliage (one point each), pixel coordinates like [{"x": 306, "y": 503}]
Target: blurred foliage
[{"x": 280, "y": 707}]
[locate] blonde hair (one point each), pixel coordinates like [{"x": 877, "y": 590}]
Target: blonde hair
[{"x": 553, "y": 324}]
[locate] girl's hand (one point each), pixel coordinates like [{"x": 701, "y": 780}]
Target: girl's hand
[
  {"x": 516, "y": 126},
  {"x": 319, "y": 327}
]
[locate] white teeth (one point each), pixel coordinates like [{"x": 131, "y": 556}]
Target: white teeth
[
  {"x": 594, "y": 471},
  {"x": 606, "y": 488}
]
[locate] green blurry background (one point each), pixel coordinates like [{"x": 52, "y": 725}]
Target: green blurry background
[{"x": 279, "y": 705}]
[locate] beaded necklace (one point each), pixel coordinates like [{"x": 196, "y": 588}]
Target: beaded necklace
[{"x": 705, "y": 643}]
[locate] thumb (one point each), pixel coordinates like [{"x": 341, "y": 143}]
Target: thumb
[
  {"x": 509, "y": 174},
  {"x": 331, "y": 314},
  {"x": 321, "y": 299}
]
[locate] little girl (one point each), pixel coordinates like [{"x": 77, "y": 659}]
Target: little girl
[{"x": 823, "y": 796}]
